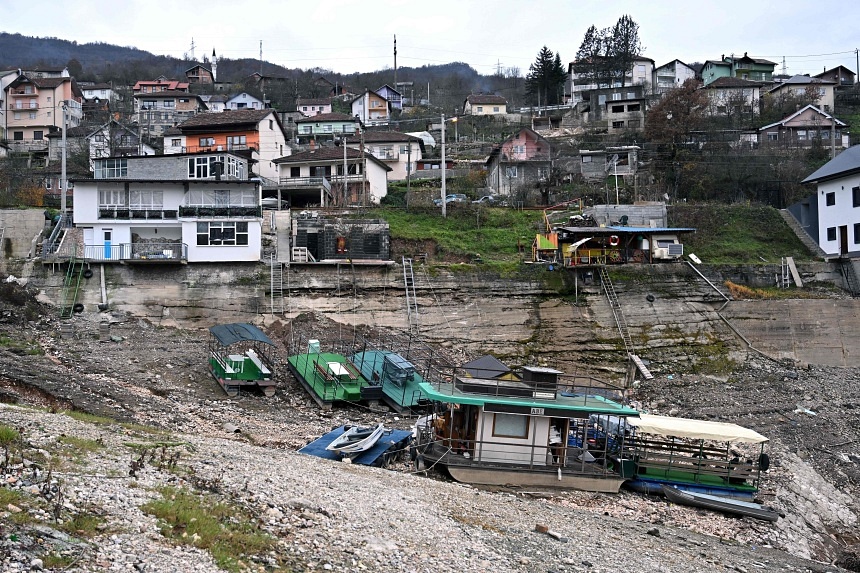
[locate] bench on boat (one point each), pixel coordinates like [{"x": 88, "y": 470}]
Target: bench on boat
[
  {"x": 258, "y": 363},
  {"x": 702, "y": 466}
]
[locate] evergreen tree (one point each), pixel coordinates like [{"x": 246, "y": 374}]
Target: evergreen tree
[
  {"x": 624, "y": 46},
  {"x": 546, "y": 77},
  {"x": 591, "y": 58}
]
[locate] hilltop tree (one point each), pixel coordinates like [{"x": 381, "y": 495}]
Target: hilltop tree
[
  {"x": 546, "y": 77},
  {"x": 624, "y": 46},
  {"x": 591, "y": 58},
  {"x": 681, "y": 111}
]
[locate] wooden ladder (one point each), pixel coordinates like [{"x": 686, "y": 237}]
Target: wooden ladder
[{"x": 621, "y": 322}]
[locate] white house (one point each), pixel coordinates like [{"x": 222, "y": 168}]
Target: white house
[
  {"x": 169, "y": 209},
  {"x": 400, "y": 151},
  {"x": 309, "y": 107},
  {"x": 833, "y": 218},
  {"x": 672, "y": 75},
  {"x": 243, "y": 101},
  {"x": 317, "y": 178},
  {"x": 371, "y": 108}
]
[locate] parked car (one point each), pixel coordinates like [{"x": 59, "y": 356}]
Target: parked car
[
  {"x": 491, "y": 200},
  {"x": 451, "y": 198},
  {"x": 272, "y": 203}
]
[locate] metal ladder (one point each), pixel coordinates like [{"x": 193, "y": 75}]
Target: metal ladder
[
  {"x": 784, "y": 278},
  {"x": 621, "y": 322},
  {"x": 411, "y": 298},
  {"x": 276, "y": 283},
  {"x": 851, "y": 281},
  {"x": 71, "y": 287}
]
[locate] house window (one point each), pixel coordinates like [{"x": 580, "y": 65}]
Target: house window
[
  {"x": 113, "y": 198},
  {"x": 801, "y": 135},
  {"x": 49, "y": 99},
  {"x": 510, "y": 426},
  {"x": 855, "y": 197},
  {"x": 617, "y": 109},
  {"x": 772, "y": 136},
  {"x": 201, "y": 167},
  {"x": 17, "y": 135},
  {"x": 327, "y": 128},
  {"x": 37, "y": 135},
  {"x": 617, "y": 125},
  {"x": 306, "y": 129},
  {"x": 32, "y": 115},
  {"x": 110, "y": 168},
  {"x": 616, "y": 96},
  {"x": 146, "y": 200},
  {"x": 511, "y": 171},
  {"x": 480, "y": 109},
  {"x": 169, "y": 103},
  {"x": 404, "y": 149},
  {"x": 295, "y": 171},
  {"x": 831, "y": 233},
  {"x": 519, "y": 148},
  {"x": 496, "y": 109},
  {"x": 830, "y": 199},
  {"x": 857, "y": 233},
  {"x": 633, "y": 107},
  {"x": 207, "y": 141},
  {"x": 235, "y": 140},
  {"x": 176, "y": 142},
  {"x": 271, "y": 124},
  {"x": 126, "y": 141},
  {"x": 305, "y": 108},
  {"x": 222, "y": 233}
]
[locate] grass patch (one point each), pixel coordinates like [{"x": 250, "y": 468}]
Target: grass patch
[
  {"x": 80, "y": 445},
  {"x": 8, "y": 496},
  {"x": 53, "y": 561},
  {"x": 21, "y": 347},
  {"x": 737, "y": 234},
  {"x": 741, "y": 292},
  {"x": 229, "y": 534},
  {"x": 84, "y": 525}
]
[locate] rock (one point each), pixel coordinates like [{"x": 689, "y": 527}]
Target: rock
[{"x": 13, "y": 508}]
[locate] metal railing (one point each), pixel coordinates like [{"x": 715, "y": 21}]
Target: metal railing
[
  {"x": 121, "y": 213},
  {"x": 204, "y": 212},
  {"x": 51, "y": 245},
  {"x": 306, "y": 182}
]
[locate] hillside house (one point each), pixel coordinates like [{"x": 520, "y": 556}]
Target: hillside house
[
  {"x": 200, "y": 74},
  {"x": 156, "y": 112},
  {"x": 371, "y": 108},
  {"x": 614, "y": 110},
  {"x": 733, "y": 96},
  {"x": 243, "y": 100},
  {"x": 325, "y": 126},
  {"x": 393, "y": 96},
  {"x": 672, "y": 75},
  {"x": 484, "y": 104},
  {"x": 319, "y": 239},
  {"x": 579, "y": 83},
  {"x": 840, "y": 75},
  {"x": 597, "y": 165},
  {"x": 256, "y": 134},
  {"x": 738, "y": 67},
  {"x": 313, "y": 106},
  {"x": 34, "y": 109},
  {"x": 401, "y": 152},
  {"x": 814, "y": 90},
  {"x": 832, "y": 216},
  {"x": 522, "y": 160},
  {"x": 109, "y": 140},
  {"x": 169, "y": 209},
  {"x": 317, "y": 177},
  {"x": 804, "y": 128}
]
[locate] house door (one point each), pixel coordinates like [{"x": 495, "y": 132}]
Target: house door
[
  {"x": 107, "y": 242},
  {"x": 843, "y": 240}
]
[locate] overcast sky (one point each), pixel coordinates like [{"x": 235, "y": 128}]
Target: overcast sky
[{"x": 348, "y": 36}]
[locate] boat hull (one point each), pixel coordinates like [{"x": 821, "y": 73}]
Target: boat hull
[
  {"x": 478, "y": 475},
  {"x": 723, "y": 505},
  {"x": 354, "y": 441}
]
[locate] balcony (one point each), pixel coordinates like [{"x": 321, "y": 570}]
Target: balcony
[
  {"x": 387, "y": 155},
  {"x": 213, "y": 148},
  {"x": 221, "y": 212},
  {"x": 305, "y": 183},
  {"x": 125, "y": 214},
  {"x": 22, "y": 106},
  {"x": 138, "y": 252}
]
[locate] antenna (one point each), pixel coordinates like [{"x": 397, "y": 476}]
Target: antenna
[
  {"x": 192, "y": 50},
  {"x": 784, "y": 69},
  {"x": 395, "y": 61}
]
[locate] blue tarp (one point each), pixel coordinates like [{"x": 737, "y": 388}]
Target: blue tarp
[{"x": 390, "y": 441}]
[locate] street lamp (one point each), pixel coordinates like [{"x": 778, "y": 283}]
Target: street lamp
[{"x": 453, "y": 119}]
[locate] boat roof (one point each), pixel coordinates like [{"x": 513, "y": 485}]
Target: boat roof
[
  {"x": 612, "y": 230},
  {"x": 228, "y": 334},
  {"x": 695, "y": 429},
  {"x": 567, "y": 402}
]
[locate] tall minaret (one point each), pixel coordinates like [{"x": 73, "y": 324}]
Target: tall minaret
[{"x": 214, "y": 66}]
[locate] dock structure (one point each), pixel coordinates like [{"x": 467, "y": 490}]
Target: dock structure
[
  {"x": 398, "y": 377},
  {"x": 240, "y": 355},
  {"x": 330, "y": 377}
]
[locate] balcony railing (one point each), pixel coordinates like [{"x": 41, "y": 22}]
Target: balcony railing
[
  {"x": 165, "y": 252},
  {"x": 388, "y": 155},
  {"x": 19, "y": 106},
  {"x": 208, "y": 212},
  {"x": 124, "y": 213},
  {"x": 211, "y": 148},
  {"x": 23, "y": 145},
  {"x": 305, "y": 182}
]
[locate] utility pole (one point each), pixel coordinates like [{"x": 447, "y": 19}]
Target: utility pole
[
  {"x": 63, "y": 164},
  {"x": 395, "y": 65},
  {"x": 444, "y": 213},
  {"x": 363, "y": 197}
]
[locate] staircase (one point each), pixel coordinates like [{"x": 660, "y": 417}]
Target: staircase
[
  {"x": 276, "y": 284},
  {"x": 621, "y": 323},
  {"x": 804, "y": 237},
  {"x": 849, "y": 273},
  {"x": 411, "y": 297}
]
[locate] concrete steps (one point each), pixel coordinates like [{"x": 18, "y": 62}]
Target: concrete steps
[{"x": 801, "y": 234}]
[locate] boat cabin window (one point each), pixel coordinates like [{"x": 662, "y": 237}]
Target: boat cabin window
[{"x": 510, "y": 426}]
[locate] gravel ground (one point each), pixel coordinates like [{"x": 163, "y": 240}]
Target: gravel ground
[{"x": 333, "y": 516}]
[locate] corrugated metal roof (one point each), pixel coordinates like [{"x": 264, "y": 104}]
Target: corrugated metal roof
[{"x": 228, "y": 334}]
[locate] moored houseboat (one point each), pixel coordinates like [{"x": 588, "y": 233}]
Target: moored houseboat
[{"x": 530, "y": 429}]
